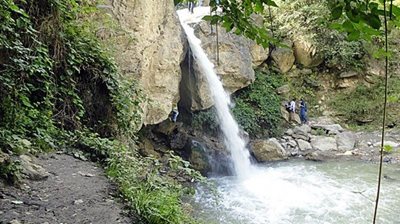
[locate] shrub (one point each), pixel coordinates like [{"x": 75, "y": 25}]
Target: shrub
[
  {"x": 145, "y": 183},
  {"x": 257, "y": 107},
  {"x": 206, "y": 121},
  {"x": 365, "y": 104}
]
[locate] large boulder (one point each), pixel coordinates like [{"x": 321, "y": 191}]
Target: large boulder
[
  {"x": 283, "y": 58},
  {"x": 306, "y": 53},
  {"x": 283, "y": 90},
  {"x": 303, "y": 145},
  {"x": 346, "y": 141},
  {"x": 31, "y": 169},
  {"x": 268, "y": 150},
  {"x": 323, "y": 143},
  {"x": 328, "y": 128},
  {"x": 237, "y": 57},
  {"x": 302, "y": 130},
  {"x": 148, "y": 46}
]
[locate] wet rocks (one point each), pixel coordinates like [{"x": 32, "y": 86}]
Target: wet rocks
[
  {"x": 199, "y": 160},
  {"x": 146, "y": 148}
]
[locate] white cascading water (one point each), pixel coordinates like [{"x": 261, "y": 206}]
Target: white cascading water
[{"x": 233, "y": 141}]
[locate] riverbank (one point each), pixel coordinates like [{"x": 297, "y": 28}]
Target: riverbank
[
  {"x": 66, "y": 190},
  {"x": 323, "y": 139}
]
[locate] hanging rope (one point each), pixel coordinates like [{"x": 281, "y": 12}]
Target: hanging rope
[
  {"x": 384, "y": 114},
  {"x": 216, "y": 30},
  {"x": 189, "y": 59}
]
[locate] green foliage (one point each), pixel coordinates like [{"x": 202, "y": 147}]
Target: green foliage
[
  {"x": 344, "y": 55},
  {"x": 387, "y": 148},
  {"x": 206, "y": 121},
  {"x": 361, "y": 104},
  {"x": 364, "y": 104},
  {"x": 362, "y": 19},
  {"x": 236, "y": 16},
  {"x": 10, "y": 171},
  {"x": 148, "y": 185},
  {"x": 56, "y": 77},
  {"x": 257, "y": 107},
  {"x": 309, "y": 20}
]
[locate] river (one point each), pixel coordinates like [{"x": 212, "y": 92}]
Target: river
[{"x": 303, "y": 192}]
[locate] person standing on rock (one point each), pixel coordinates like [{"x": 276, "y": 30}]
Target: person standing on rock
[
  {"x": 303, "y": 112},
  {"x": 191, "y": 6},
  {"x": 292, "y": 109}
]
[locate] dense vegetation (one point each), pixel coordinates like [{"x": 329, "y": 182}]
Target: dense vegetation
[
  {"x": 363, "y": 104},
  {"x": 257, "y": 107},
  {"x": 60, "y": 90}
]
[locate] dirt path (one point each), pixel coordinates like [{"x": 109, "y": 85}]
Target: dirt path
[{"x": 75, "y": 192}]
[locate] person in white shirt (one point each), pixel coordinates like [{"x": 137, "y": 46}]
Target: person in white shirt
[{"x": 292, "y": 109}]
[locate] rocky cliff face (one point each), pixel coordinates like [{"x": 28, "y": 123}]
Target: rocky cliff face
[
  {"x": 149, "y": 48},
  {"x": 237, "y": 57}
]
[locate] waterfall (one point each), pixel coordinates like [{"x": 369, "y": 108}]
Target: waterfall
[{"x": 231, "y": 132}]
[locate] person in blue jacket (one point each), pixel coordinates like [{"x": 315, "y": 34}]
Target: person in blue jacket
[{"x": 303, "y": 112}]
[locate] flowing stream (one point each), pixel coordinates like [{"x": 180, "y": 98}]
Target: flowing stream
[
  {"x": 297, "y": 192},
  {"x": 304, "y": 192}
]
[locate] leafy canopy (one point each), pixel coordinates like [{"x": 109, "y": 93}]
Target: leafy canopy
[{"x": 360, "y": 19}]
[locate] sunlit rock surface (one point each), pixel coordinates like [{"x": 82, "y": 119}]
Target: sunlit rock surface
[
  {"x": 149, "y": 48},
  {"x": 234, "y": 58}
]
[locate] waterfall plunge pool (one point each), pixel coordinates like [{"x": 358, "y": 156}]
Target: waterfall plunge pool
[{"x": 303, "y": 192}]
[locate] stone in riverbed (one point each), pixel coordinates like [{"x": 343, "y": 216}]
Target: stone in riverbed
[
  {"x": 323, "y": 143},
  {"x": 345, "y": 141},
  {"x": 303, "y": 145},
  {"x": 329, "y": 128},
  {"x": 389, "y": 143},
  {"x": 320, "y": 156},
  {"x": 268, "y": 150}
]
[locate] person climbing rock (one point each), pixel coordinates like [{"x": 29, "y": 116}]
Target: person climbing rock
[
  {"x": 303, "y": 112},
  {"x": 174, "y": 115}
]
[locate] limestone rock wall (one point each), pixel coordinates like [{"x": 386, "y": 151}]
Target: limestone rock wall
[
  {"x": 149, "y": 48},
  {"x": 237, "y": 58}
]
